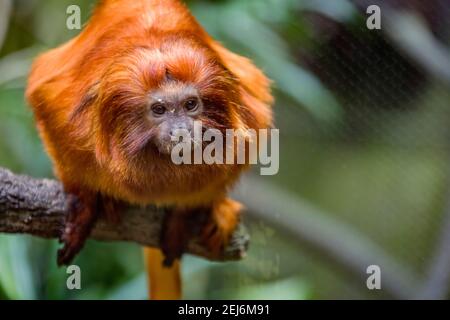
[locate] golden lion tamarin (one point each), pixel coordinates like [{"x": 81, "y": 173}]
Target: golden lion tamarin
[{"x": 106, "y": 104}]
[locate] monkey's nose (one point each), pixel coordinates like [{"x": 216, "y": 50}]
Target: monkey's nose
[{"x": 175, "y": 130}]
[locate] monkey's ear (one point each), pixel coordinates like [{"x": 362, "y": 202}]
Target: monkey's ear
[
  {"x": 250, "y": 77},
  {"x": 87, "y": 100},
  {"x": 255, "y": 92}
]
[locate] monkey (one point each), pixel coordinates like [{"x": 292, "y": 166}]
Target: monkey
[{"x": 106, "y": 105}]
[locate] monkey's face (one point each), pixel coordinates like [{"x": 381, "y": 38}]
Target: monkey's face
[
  {"x": 149, "y": 94},
  {"x": 173, "y": 107}
]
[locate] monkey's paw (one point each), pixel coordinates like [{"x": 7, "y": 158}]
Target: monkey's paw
[
  {"x": 218, "y": 229},
  {"x": 73, "y": 243},
  {"x": 175, "y": 236},
  {"x": 82, "y": 214}
]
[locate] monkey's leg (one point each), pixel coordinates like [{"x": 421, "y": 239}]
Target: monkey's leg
[
  {"x": 179, "y": 226},
  {"x": 110, "y": 208},
  {"x": 214, "y": 225},
  {"x": 82, "y": 213},
  {"x": 163, "y": 265},
  {"x": 220, "y": 224}
]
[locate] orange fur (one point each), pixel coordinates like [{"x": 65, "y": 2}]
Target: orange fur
[{"x": 89, "y": 97}]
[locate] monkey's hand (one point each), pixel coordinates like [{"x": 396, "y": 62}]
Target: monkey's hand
[
  {"x": 220, "y": 225},
  {"x": 213, "y": 224},
  {"x": 84, "y": 208},
  {"x": 82, "y": 214}
]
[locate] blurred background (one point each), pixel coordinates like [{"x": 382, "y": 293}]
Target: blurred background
[{"x": 364, "y": 174}]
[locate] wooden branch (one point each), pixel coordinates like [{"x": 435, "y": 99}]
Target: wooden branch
[{"x": 38, "y": 207}]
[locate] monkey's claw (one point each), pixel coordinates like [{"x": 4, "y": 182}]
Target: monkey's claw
[
  {"x": 65, "y": 255},
  {"x": 81, "y": 217},
  {"x": 73, "y": 243}
]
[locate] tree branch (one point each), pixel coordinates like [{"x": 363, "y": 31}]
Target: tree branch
[{"x": 38, "y": 207}]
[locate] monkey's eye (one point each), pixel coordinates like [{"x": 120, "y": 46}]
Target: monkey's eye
[
  {"x": 158, "y": 109},
  {"x": 191, "y": 104}
]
